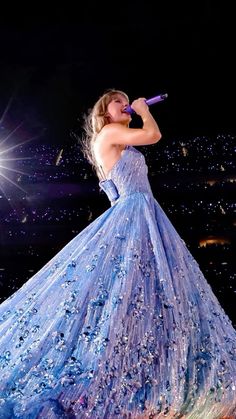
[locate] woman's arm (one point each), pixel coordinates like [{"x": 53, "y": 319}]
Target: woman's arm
[{"x": 116, "y": 133}]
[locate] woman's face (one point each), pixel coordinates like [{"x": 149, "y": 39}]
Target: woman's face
[{"x": 116, "y": 110}]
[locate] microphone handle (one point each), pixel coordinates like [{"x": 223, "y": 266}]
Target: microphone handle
[{"x": 150, "y": 101}]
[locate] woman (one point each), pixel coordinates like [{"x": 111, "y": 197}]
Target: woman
[
  {"x": 121, "y": 322},
  {"x": 108, "y": 132}
]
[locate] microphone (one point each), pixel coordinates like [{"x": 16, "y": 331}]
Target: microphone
[{"x": 149, "y": 102}]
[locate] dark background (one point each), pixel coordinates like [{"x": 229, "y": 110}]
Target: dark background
[{"x": 55, "y": 63}]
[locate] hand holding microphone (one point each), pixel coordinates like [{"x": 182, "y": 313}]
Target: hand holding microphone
[{"x": 149, "y": 102}]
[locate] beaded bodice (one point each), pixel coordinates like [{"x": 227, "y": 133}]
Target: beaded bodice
[{"x": 129, "y": 175}]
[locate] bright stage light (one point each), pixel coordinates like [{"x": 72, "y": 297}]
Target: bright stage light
[
  {"x": 10, "y": 172},
  {"x": 7, "y": 167}
]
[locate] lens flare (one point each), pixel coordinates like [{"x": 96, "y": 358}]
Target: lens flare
[{"x": 12, "y": 163}]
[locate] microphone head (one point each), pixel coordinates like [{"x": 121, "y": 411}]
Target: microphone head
[{"x": 129, "y": 110}]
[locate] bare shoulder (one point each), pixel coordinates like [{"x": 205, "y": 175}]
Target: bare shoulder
[
  {"x": 102, "y": 144},
  {"x": 108, "y": 136},
  {"x": 106, "y": 153}
]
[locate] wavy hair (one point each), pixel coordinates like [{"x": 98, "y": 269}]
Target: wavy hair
[{"x": 94, "y": 121}]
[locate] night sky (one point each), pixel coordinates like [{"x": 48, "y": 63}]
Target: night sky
[{"x": 55, "y": 63}]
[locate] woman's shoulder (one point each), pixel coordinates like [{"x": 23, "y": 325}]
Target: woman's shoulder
[
  {"x": 111, "y": 135},
  {"x": 101, "y": 142}
]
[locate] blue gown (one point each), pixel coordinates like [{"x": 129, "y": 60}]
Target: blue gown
[{"x": 120, "y": 323}]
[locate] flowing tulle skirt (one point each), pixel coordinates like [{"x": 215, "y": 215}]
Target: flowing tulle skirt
[{"x": 120, "y": 323}]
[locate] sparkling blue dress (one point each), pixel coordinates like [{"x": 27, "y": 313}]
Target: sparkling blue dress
[{"x": 121, "y": 323}]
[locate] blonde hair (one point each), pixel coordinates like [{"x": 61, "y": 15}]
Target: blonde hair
[{"x": 94, "y": 121}]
